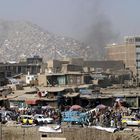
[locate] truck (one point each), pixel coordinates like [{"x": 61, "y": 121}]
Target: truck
[{"x": 75, "y": 117}]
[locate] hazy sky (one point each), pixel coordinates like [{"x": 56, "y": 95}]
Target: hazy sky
[{"x": 75, "y": 18}]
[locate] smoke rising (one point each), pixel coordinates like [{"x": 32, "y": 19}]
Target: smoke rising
[
  {"x": 98, "y": 35},
  {"x": 84, "y": 20},
  {"x": 98, "y": 30}
]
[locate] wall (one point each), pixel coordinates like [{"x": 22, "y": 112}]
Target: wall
[
  {"x": 125, "y": 52},
  {"x": 42, "y": 80},
  {"x": 18, "y": 133}
]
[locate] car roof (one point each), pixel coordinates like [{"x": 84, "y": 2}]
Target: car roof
[
  {"x": 128, "y": 117},
  {"x": 38, "y": 115},
  {"x": 5, "y": 111},
  {"x": 26, "y": 116}
]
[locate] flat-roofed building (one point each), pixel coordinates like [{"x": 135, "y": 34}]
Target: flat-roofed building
[
  {"x": 128, "y": 52},
  {"x": 104, "y": 65}
]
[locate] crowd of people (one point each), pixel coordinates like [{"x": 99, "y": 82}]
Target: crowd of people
[
  {"x": 99, "y": 116},
  {"x": 110, "y": 116},
  {"x": 14, "y": 114},
  {"x": 107, "y": 117}
]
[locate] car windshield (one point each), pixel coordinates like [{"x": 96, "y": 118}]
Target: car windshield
[
  {"x": 28, "y": 117},
  {"x": 45, "y": 117},
  {"x": 38, "y": 116},
  {"x": 130, "y": 119},
  {"x": 133, "y": 119}
]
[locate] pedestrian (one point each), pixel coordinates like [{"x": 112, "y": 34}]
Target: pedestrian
[{"x": 112, "y": 123}]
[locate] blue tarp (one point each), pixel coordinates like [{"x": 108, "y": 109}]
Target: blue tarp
[
  {"x": 74, "y": 116},
  {"x": 85, "y": 91}
]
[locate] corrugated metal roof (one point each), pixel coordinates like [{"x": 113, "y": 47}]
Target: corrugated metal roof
[
  {"x": 55, "y": 89},
  {"x": 72, "y": 94}
]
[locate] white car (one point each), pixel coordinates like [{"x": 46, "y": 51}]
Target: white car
[
  {"x": 130, "y": 120},
  {"x": 42, "y": 119}
]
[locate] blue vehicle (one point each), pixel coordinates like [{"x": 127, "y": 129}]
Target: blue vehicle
[{"x": 75, "y": 117}]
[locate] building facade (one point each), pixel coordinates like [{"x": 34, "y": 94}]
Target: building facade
[
  {"x": 30, "y": 65},
  {"x": 128, "y": 52}
]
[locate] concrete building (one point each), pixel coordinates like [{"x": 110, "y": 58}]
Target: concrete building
[
  {"x": 34, "y": 60},
  {"x": 104, "y": 65},
  {"x": 75, "y": 71},
  {"x": 53, "y": 66},
  {"x": 3, "y": 74},
  {"x": 80, "y": 65},
  {"x": 30, "y": 78},
  {"x": 32, "y": 65},
  {"x": 61, "y": 79},
  {"x": 128, "y": 52}
]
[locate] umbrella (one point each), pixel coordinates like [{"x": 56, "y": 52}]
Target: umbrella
[
  {"x": 101, "y": 106},
  {"x": 75, "y": 107}
]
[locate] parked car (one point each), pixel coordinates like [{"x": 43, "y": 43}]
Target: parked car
[
  {"x": 26, "y": 119},
  {"x": 130, "y": 121},
  {"x": 42, "y": 119},
  {"x": 7, "y": 116}
]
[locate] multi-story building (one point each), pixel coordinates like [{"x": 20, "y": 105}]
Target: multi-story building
[
  {"x": 75, "y": 71},
  {"x": 30, "y": 65},
  {"x": 81, "y": 65},
  {"x": 128, "y": 52}
]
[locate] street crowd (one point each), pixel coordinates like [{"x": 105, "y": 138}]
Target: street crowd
[
  {"x": 111, "y": 116},
  {"x": 101, "y": 115},
  {"x": 15, "y": 114}
]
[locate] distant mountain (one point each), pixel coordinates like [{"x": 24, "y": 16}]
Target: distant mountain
[{"x": 18, "y": 39}]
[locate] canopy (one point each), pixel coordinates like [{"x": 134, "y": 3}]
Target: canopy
[
  {"x": 55, "y": 89},
  {"x": 75, "y": 107},
  {"x": 71, "y": 95},
  {"x": 101, "y": 106},
  {"x": 31, "y": 102}
]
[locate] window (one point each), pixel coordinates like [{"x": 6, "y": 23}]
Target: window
[
  {"x": 137, "y": 46},
  {"x": 137, "y": 49},
  {"x": 137, "y": 39}
]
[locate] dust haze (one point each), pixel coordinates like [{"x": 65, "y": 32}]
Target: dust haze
[
  {"x": 84, "y": 20},
  {"x": 98, "y": 30}
]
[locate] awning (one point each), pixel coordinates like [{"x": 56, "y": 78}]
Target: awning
[
  {"x": 75, "y": 107},
  {"x": 71, "y": 95},
  {"x": 31, "y": 102},
  {"x": 85, "y": 86},
  {"x": 55, "y": 89},
  {"x": 91, "y": 97}
]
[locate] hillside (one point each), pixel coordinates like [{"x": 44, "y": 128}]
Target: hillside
[{"x": 18, "y": 39}]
